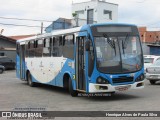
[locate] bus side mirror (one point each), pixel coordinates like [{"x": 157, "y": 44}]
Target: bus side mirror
[{"x": 87, "y": 45}]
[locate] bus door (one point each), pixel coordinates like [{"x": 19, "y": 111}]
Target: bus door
[
  {"x": 81, "y": 67},
  {"x": 22, "y": 61}
]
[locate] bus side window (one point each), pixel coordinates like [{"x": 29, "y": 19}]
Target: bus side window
[
  {"x": 53, "y": 41},
  {"x": 29, "y": 45},
  {"x": 47, "y": 48},
  {"x": 18, "y": 48},
  {"x": 26, "y": 47},
  {"x": 90, "y": 59},
  {"x": 57, "y": 48},
  {"x": 60, "y": 41},
  {"x": 39, "y": 48},
  {"x": 31, "y": 48},
  {"x": 68, "y": 46}
]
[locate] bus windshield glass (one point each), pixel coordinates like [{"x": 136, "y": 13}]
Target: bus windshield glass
[{"x": 118, "y": 54}]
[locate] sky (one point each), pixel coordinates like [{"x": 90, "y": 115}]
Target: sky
[{"x": 139, "y": 12}]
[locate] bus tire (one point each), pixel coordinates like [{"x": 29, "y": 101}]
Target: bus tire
[
  {"x": 71, "y": 91},
  {"x": 29, "y": 80},
  {"x": 152, "y": 82}
]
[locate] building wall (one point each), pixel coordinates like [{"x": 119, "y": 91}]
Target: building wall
[
  {"x": 5, "y": 44},
  {"x": 101, "y": 17},
  {"x": 98, "y": 7},
  {"x": 9, "y": 53},
  {"x": 152, "y": 36},
  {"x": 150, "y": 40},
  {"x": 149, "y": 36},
  {"x": 154, "y": 50},
  {"x": 83, "y": 7},
  {"x": 146, "y": 49}
]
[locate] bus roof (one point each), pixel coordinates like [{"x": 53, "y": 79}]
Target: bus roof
[
  {"x": 71, "y": 30},
  {"x": 59, "y": 32},
  {"x": 112, "y": 24}
]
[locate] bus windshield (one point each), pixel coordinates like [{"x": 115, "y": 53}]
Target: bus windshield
[{"x": 118, "y": 54}]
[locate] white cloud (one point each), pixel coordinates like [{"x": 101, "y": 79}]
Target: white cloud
[
  {"x": 31, "y": 9},
  {"x": 140, "y": 12}
]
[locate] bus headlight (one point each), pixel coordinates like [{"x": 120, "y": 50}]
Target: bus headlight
[
  {"x": 101, "y": 80},
  {"x": 140, "y": 78}
]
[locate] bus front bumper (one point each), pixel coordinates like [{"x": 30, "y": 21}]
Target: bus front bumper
[{"x": 104, "y": 88}]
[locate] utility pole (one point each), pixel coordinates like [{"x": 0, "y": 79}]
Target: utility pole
[
  {"x": 1, "y": 31},
  {"x": 41, "y": 27}
]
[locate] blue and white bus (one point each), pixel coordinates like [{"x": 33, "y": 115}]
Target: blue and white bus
[{"x": 98, "y": 58}]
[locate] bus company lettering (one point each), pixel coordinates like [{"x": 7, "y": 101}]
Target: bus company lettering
[
  {"x": 26, "y": 115},
  {"x": 37, "y": 115}
]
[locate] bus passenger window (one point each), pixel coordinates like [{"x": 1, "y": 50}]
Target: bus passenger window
[
  {"x": 91, "y": 59},
  {"x": 18, "y": 49},
  {"x": 27, "y": 54},
  {"x": 47, "y": 48},
  {"x": 39, "y": 48},
  {"x": 60, "y": 41},
  {"x": 68, "y": 46},
  {"x": 31, "y": 48},
  {"x": 57, "y": 49}
]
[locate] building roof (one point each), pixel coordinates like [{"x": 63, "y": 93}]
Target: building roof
[
  {"x": 96, "y": 1},
  {"x": 64, "y": 19},
  {"x": 18, "y": 37},
  {"x": 7, "y": 38},
  {"x": 57, "y": 24}
]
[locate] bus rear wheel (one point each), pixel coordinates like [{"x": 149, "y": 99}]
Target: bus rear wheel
[
  {"x": 30, "y": 82},
  {"x": 71, "y": 90}
]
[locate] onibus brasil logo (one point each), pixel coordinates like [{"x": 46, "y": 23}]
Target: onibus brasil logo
[{"x": 21, "y": 115}]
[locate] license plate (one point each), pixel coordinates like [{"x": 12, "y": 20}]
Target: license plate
[{"x": 122, "y": 88}]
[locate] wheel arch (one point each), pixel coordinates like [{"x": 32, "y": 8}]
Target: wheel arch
[
  {"x": 27, "y": 72},
  {"x": 66, "y": 77}
]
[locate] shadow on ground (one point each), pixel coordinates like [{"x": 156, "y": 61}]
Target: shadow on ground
[{"x": 58, "y": 90}]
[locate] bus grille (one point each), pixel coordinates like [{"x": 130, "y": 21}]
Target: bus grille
[{"x": 122, "y": 79}]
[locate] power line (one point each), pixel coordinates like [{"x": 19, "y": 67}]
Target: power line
[
  {"x": 26, "y": 19},
  {"x": 21, "y": 25}
]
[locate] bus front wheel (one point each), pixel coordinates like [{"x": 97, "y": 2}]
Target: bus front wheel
[
  {"x": 71, "y": 90},
  {"x": 30, "y": 82}
]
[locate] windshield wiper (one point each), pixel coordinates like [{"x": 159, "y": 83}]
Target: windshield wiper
[
  {"x": 111, "y": 43},
  {"x": 124, "y": 43}
]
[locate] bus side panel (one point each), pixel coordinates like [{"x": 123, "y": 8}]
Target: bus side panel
[
  {"x": 18, "y": 66},
  {"x": 68, "y": 68},
  {"x": 49, "y": 70}
]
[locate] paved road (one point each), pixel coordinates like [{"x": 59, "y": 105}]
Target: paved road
[{"x": 16, "y": 94}]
